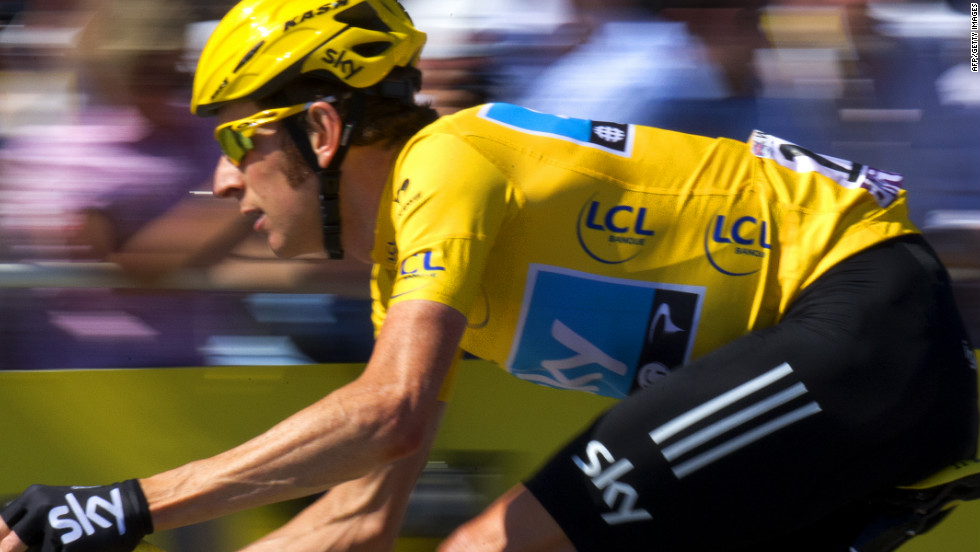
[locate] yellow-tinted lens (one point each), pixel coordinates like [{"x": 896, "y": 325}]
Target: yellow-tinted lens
[
  {"x": 233, "y": 144},
  {"x": 235, "y": 137}
]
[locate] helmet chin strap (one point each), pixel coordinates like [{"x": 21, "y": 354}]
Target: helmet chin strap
[{"x": 329, "y": 177}]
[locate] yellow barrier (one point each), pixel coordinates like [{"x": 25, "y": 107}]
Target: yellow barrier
[{"x": 98, "y": 426}]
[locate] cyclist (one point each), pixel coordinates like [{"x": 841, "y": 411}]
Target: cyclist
[{"x": 784, "y": 342}]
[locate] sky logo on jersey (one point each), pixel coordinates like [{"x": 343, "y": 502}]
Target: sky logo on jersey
[
  {"x": 737, "y": 245},
  {"x": 615, "y": 138},
  {"x": 601, "y": 335}
]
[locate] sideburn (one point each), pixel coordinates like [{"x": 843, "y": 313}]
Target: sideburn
[{"x": 296, "y": 170}]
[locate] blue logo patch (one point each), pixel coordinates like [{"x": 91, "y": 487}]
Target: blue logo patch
[
  {"x": 615, "y": 138},
  {"x": 601, "y": 335}
]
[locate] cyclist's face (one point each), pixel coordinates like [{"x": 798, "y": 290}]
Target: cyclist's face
[{"x": 273, "y": 187}]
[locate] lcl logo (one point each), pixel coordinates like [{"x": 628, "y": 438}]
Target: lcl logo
[
  {"x": 613, "y": 233},
  {"x": 737, "y": 246}
]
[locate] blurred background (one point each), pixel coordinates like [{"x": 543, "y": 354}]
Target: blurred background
[{"x": 108, "y": 261}]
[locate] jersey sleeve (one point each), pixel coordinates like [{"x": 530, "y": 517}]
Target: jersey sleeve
[{"x": 447, "y": 205}]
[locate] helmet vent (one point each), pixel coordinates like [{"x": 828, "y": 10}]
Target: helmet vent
[
  {"x": 248, "y": 55},
  {"x": 371, "y": 49},
  {"x": 363, "y": 16}
]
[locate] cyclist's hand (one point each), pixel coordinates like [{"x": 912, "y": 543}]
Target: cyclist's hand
[{"x": 110, "y": 518}]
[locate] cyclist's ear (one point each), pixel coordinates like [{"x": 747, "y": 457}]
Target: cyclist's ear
[{"x": 325, "y": 129}]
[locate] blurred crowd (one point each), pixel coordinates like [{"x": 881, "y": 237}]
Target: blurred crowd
[{"x": 108, "y": 257}]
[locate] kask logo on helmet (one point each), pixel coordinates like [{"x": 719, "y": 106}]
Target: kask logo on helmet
[{"x": 310, "y": 14}]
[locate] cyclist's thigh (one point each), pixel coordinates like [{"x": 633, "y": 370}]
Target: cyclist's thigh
[{"x": 862, "y": 386}]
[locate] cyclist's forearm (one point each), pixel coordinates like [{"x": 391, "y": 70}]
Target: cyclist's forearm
[
  {"x": 341, "y": 437},
  {"x": 364, "y": 514},
  {"x": 386, "y": 414},
  {"x": 351, "y": 516}
]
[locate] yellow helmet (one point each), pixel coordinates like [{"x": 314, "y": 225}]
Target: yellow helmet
[{"x": 260, "y": 46}]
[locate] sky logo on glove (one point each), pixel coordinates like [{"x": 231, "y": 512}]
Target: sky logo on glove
[{"x": 78, "y": 520}]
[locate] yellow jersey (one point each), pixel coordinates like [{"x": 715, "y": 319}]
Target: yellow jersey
[{"x": 598, "y": 256}]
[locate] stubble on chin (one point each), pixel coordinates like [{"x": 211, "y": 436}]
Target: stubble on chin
[{"x": 298, "y": 175}]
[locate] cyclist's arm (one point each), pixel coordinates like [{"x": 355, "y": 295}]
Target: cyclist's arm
[
  {"x": 515, "y": 522},
  {"x": 194, "y": 232},
  {"x": 384, "y": 415},
  {"x": 364, "y": 514}
]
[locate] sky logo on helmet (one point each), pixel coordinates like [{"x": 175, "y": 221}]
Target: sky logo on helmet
[
  {"x": 310, "y": 14},
  {"x": 338, "y": 60}
]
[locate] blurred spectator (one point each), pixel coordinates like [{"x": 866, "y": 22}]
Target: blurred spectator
[
  {"x": 92, "y": 187},
  {"x": 886, "y": 84},
  {"x": 110, "y": 181},
  {"x": 104, "y": 169},
  {"x": 871, "y": 82},
  {"x": 656, "y": 63},
  {"x": 478, "y": 52}
]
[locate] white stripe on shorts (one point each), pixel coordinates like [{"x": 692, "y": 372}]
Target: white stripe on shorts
[{"x": 732, "y": 422}]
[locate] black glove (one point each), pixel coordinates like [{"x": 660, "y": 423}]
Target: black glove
[{"x": 111, "y": 518}]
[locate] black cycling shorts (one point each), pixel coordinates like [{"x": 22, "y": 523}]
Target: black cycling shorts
[{"x": 776, "y": 440}]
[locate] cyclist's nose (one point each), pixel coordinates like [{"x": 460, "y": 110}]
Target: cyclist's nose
[{"x": 228, "y": 179}]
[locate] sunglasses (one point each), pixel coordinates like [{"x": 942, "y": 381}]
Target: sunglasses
[{"x": 235, "y": 137}]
